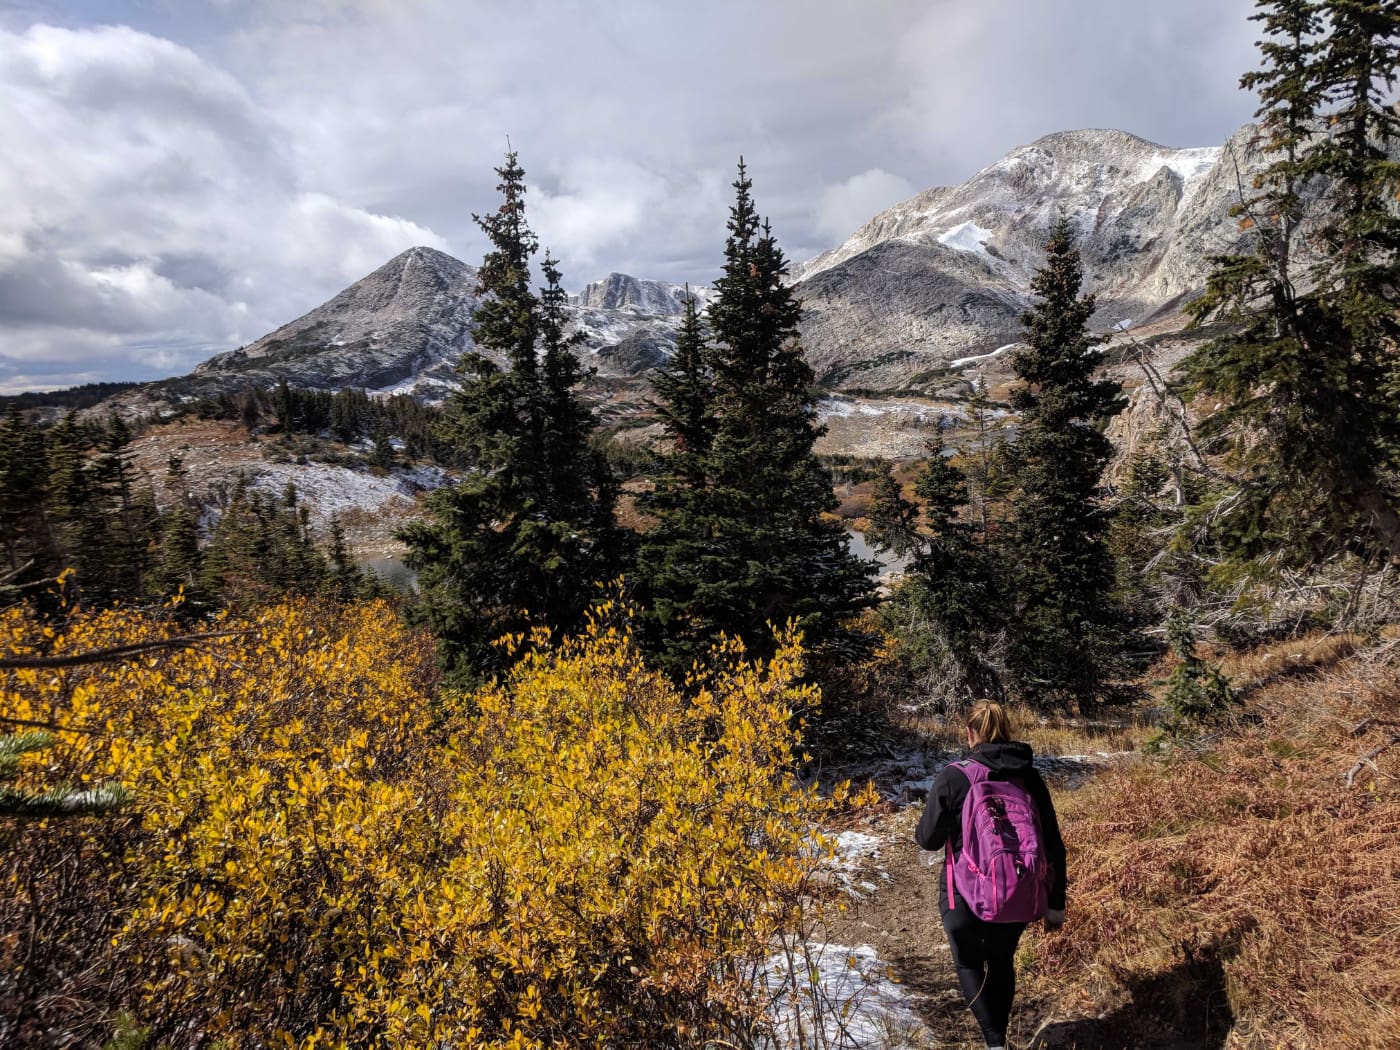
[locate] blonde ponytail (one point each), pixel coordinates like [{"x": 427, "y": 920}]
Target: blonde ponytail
[{"x": 989, "y": 723}]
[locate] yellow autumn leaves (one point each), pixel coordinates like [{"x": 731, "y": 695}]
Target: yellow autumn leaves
[{"x": 322, "y": 852}]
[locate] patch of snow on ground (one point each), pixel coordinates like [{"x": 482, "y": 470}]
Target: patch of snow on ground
[
  {"x": 967, "y": 237},
  {"x": 909, "y": 790},
  {"x": 982, "y": 357},
  {"x": 418, "y": 384},
  {"x": 829, "y": 407},
  {"x": 855, "y": 846},
  {"x": 328, "y": 490},
  {"x": 844, "y": 408},
  {"x": 831, "y": 995},
  {"x": 1076, "y": 769},
  {"x": 911, "y": 779},
  {"x": 853, "y": 865}
]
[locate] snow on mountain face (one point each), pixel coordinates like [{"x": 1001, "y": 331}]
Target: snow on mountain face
[
  {"x": 946, "y": 275},
  {"x": 403, "y": 329},
  {"x": 618, "y": 291},
  {"x": 1090, "y": 176},
  {"x": 938, "y": 281},
  {"x": 408, "y": 322},
  {"x": 628, "y": 326}
]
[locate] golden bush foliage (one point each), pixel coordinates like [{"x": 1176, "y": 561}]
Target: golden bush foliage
[{"x": 319, "y": 854}]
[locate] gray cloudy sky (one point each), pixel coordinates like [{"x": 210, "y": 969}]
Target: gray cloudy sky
[{"x": 179, "y": 177}]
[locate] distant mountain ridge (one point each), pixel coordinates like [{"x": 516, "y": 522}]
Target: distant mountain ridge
[
  {"x": 946, "y": 275},
  {"x": 404, "y": 327},
  {"x": 929, "y": 284},
  {"x": 619, "y": 291}
]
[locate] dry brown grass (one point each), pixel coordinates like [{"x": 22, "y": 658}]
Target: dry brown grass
[
  {"x": 1267, "y": 663},
  {"x": 1047, "y": 735},
  {"x": 1249, "y": 871}
]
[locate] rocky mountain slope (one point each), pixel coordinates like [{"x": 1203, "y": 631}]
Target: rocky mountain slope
[
  {"x": 403, "y": 328},
  {"x": 936, "y": 282},
  {"x": 944, "y": 276}
]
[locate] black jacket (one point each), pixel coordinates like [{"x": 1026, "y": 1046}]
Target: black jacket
[{"x": 942, "y": 820}]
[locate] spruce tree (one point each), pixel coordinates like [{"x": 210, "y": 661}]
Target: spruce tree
[
  {"x": 529, "y": 533},
  {"x": 580, "y": 491},
  {"x": 1197, "y": 691},
  {"x": 1303, "y": 386},
  {"x": 26, "y": 543},
  {"x": 76, "y": 510},
  {"x": 685, "y": 392},
  {"x": 179, "y": 569},
  {"x": 1064, "y": 631},
  {"x": 944, "y": 608},
  {"x": 131, "y": 519},
  {"x": 679, "y": 541},
  {"x": 749, "y": 547},
  {"x": 985, "y": 459}
]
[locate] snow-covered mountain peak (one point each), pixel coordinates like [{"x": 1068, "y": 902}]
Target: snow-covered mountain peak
[
  {"x": 935, "y": 282},
  {"x": 1004, "y": 210},
  {"x": 620, "y": 291},
  {"x": 946, "y": 274}
]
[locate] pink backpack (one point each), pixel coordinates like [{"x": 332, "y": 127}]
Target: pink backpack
[{"x": 1002, "y": 871}]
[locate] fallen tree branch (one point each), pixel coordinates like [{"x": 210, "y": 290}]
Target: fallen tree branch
[
  {"x": 15, "y": 573},
  {"x": 1367, "y": 723},
  {"x": 1369, "y": 759},
  {"x": 112, "y": 654},
  {"x": 39, "y": 723}
]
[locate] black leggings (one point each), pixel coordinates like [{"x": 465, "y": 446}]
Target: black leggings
[{"x": 984, "y": 954}]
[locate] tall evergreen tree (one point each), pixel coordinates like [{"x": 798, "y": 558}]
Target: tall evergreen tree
[
  {"x": 1304, "y": 383},
  {"x": 179, "y": 567},
  {"x": 131, "y": 518},
  {"x": 685, "y": 392},
  {"x": 581, "y": 491},
  {"x": 944, "y": 608},
  {"x": 1064, "y": 629},
  {"x": 680, "y": 540},
  {"x": 76, "y": 509},
  {"x": 985, "y": 457},
  {"x": 527, "y": 535},
  {"x": 27, "y": 550},
  {"x": 747, "y": 544}
]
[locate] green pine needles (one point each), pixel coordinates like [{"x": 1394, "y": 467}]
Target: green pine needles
[
  {"x": 1066, "y": 633},
  {"x": 59, "y": 801},
  {"x": 1197, "y": 692},
  {"x": 1301, "y": 392},
  {"x": 1012, "y": 589},
  {"x": 527, "y": 537},
  {"x": 743, "y": 542}
]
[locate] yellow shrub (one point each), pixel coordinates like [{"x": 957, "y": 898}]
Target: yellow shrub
[{"x": 319, "y": 855}]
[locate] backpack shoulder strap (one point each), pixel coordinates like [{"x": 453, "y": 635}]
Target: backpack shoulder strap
[{"x": 972, "y": 769}]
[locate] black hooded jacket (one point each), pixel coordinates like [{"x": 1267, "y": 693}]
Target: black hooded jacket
[{"x": 942, "y": 819}]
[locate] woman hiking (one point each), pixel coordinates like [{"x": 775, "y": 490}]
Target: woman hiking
[{"x": 1010, "y": 872}]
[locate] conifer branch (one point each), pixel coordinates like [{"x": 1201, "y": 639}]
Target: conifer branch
[
  {"x": 1175, "y": 406},
  {"x": 39, "y": 723},
  {"x": 60, "y": 801}
]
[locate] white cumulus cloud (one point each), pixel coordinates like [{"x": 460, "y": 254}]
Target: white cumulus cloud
[
  {"x": 848, "y": 205},
  {"x": 148, "y": 214}
]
